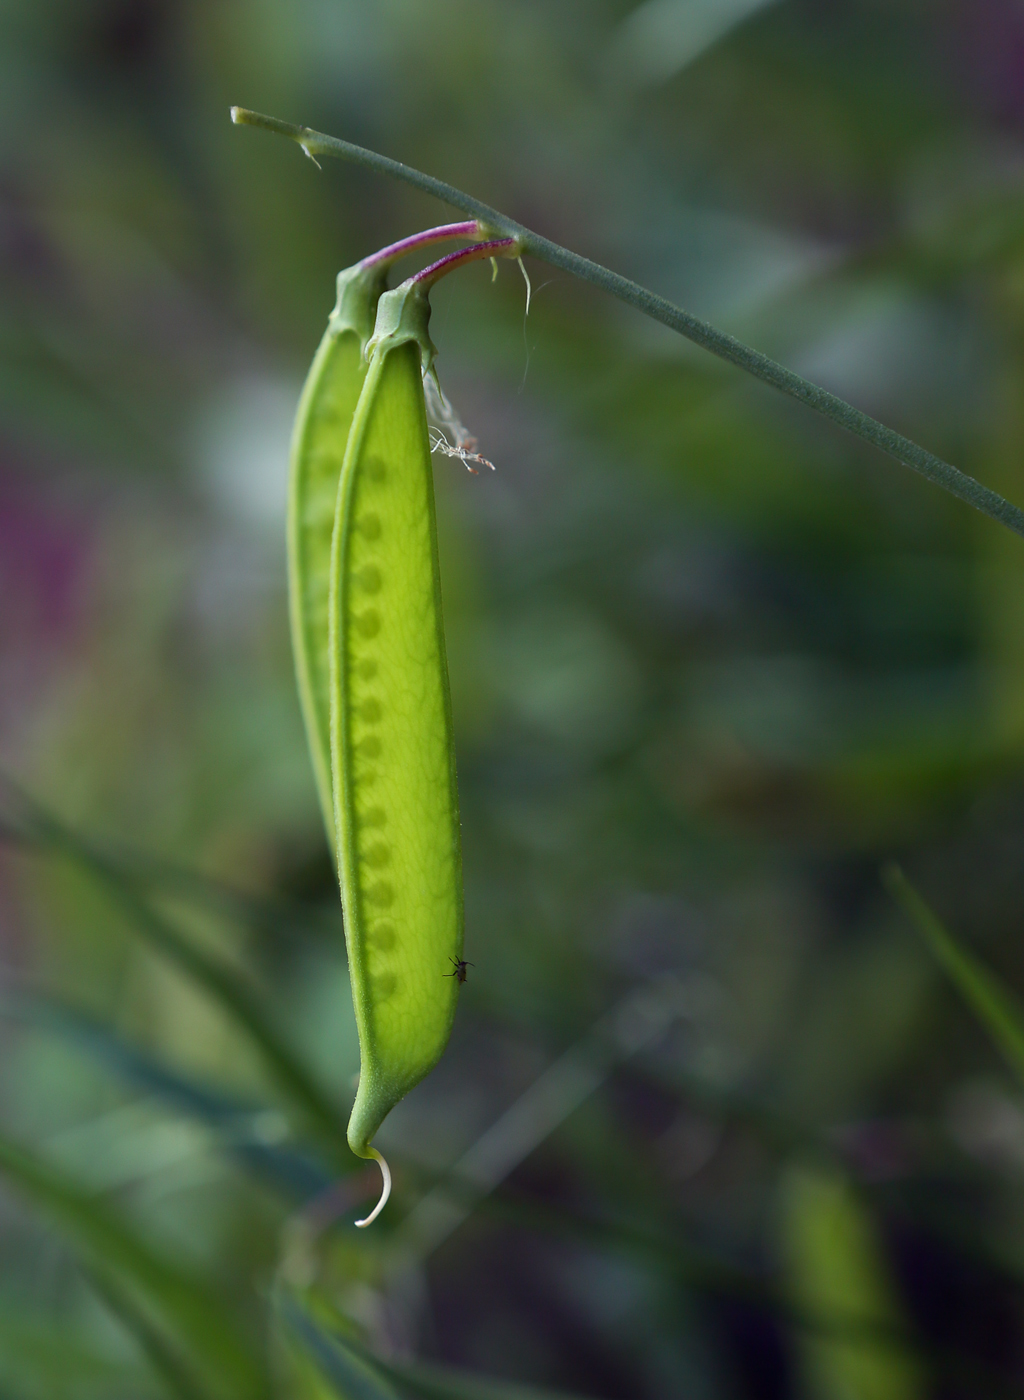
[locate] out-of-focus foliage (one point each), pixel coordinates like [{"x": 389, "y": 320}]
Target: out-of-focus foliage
[
  {"x": 712, "y": 663},
  {"x": 835, "y": 1271}
]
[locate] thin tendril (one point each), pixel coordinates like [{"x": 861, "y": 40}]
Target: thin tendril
[
  {"x": 385, "y": 1172},
  {"x": 726, "y": 347}
]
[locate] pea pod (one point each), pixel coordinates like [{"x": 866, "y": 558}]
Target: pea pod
[
  {"x": 322, "y": 424},
  {"x": 396, "y": 802},
  {"x": 328, "y": 401}
]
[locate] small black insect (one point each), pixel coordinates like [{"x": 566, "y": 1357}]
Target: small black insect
[{"x": 460, "y": 968}]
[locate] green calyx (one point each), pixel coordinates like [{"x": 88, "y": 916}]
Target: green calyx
[
  {"x": 359, "y": 290},
  {"x": 403, "y": 315}
]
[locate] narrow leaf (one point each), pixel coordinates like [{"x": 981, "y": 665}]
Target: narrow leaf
[
  {"x": 161, "y": 1355},
  {"x": 834, "y": 1269},
  {"x": 54, "y": 1357},
  {"x": 348, "y": 1365},
  {"x": 187, "y": 1306},
  {"x": 224, "y": 984},
  {"x": 236, "y": 997},
  {"x": 353, "y": 1377},
  {"x": 995, "y": 1005},
  {"x": 237, "y": 1123}
]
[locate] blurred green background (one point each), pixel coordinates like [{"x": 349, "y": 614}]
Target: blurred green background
[{"x": 713, "y": 664}]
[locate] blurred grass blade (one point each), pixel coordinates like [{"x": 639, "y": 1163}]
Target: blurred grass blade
[
  {"x": 660, "y": 38},
  {"x": 20, "y": 825},
  {"x": 994, "y": 1004},
  {"x": 835, "y": 1269},
  {"x": 349, "y": 1367},
  {"x": 162, "y": 1357},
  {"x": 445, "y": 1383},
  {"x": 352, "y": 1376},
  {"x": 187, "y": 1306},
  {"x": 224, "y": 984},
  {"x": 638, "y": 1020},
  {"x": 233, "y": 993},
  {"x": 245, "y": 1130},
  {"x": 60, "y": 1358}
]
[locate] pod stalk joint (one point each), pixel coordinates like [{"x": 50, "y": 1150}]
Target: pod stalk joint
[{"x": 403, "y": 314}]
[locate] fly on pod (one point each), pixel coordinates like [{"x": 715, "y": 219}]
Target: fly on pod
[{"x": 368, "y": 637}]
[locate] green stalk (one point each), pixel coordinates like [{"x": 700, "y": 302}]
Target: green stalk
[{"x": 726, "y": 347}]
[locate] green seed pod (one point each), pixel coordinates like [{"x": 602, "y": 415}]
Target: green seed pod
[
  {"x": 328, "y": 402},
  {"x": 322, "y": 424},
  {"x": 396, "y": 803}
]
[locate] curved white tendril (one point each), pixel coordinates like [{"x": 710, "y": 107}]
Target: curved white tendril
[
  {"x": 385, "y": 1172},
  {"x": 526, "y": 278}
]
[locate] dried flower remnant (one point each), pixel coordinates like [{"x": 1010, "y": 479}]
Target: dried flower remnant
[{"x": 448, "y": 434}]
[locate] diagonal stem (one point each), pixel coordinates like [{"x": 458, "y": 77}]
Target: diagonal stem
[{"x": 726, "y": 347}]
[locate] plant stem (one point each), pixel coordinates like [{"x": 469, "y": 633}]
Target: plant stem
[
  {"x": 394, "y": 251},
  {"x": 726, "y": 347},
  {"x": 494, "y": 248}
]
